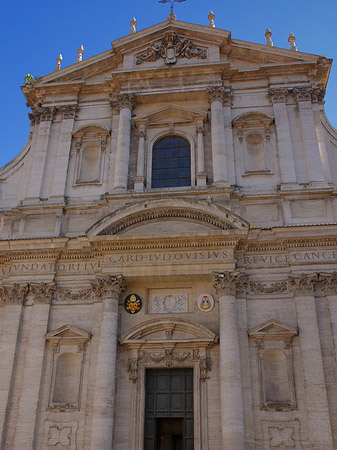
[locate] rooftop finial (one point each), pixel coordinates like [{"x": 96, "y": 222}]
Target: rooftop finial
[
  {"x": 133, "y": 24},
  {"x": 268, "y": 37},
  {"x": 211, "y": 18},
  {"x": 291, "y": 41},
  {"x": 58, "y": 62},
  {"x": 80, "y": 52}
]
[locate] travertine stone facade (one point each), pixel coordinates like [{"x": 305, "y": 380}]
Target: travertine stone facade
[{"x": 231, "y": 266}]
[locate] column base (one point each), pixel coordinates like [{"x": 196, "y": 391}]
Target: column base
[
  {"x": 201, "y": 178},
  {"x": 139, "y": 184}
]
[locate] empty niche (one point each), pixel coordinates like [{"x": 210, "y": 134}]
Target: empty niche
[
  {"x": 90, "y": 143},
  {"x": 66, "y": 380},
  {"x": 68, "y": 346},
  {"x": 273, "y": 341},
  {"x": 275, "y": 376}
]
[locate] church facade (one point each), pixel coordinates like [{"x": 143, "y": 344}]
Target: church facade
[{"x": 168, "y": 251}]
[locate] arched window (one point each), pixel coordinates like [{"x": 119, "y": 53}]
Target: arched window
[{"x": 171, "y": 162}]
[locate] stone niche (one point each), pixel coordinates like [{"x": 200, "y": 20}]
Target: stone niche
[
  {"x": 254, "y": 134},
  {"x": 90, "y": 143},
  {"x": 273, "y": 341},
  {"x": 67, "y": 345}
]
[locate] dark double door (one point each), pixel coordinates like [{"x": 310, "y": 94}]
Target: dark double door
[{"x": 168, "y": 409}]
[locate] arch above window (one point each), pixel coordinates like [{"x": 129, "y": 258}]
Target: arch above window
[{"x": 171, "y": 162}]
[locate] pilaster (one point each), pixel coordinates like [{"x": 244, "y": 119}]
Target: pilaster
[
  {"x": 320, "y": 434},
  {"x": 125, "y": 104},
  {"x": 39, "y": 298},
  {"x": 62, "y": 161},
  {"x": 201, "y": 175},
  {"x": 232, "y": 420},
  {"x": 107, "y": 290},
  {"x": 140, "y": 179},
  {"x": 313, "y": 156},
  {"x": 286, "y": 157},
  {"x": 45, "y": 116},
  {"x": 217, "y": 96}
]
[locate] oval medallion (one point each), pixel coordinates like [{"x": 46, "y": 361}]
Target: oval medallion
[
  {"x": 205, "y": 302},
  {"x": 133, "y": 303}
]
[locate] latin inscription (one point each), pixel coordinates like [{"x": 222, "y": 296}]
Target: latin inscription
[{"x": 273, "y": 259}]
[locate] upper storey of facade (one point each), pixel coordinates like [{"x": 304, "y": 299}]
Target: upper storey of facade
[{"x": 175, "y": 113}]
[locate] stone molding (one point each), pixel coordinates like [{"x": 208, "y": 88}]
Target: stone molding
[
  {"x": 110, "y": 286},
  {"x": 123, "y": 101},
  {"x": 221, "y": 94},
  {"x": 171, "y": 47}
]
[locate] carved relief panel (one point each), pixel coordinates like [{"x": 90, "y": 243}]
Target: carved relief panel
[
  {"x": 281, "y": 435},
  {"x": 60, "y": 435},
  {"x": 275, "y": 366}
]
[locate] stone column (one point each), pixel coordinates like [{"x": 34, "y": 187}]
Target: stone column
[
  {"x": 319, "y": 425},
  {"x": 62, "y": 160},
  {"x": 201, "y": 174},
  {"x": 125, "y": 103},
  {"x": 39, "y": 298},
  {"x": 313, "y": 157},
  {"x": 40, "y": 153},
  {"x": 286, "y": 157},
  {"x": 139, "y": 179},
  {"x": 11, "y": 300},
  {"x": 216, "y": 96},
  {"x": 230, "y": 371},
  {"x": 108, "y": 289},
  {"x": 227, "y": 109}
]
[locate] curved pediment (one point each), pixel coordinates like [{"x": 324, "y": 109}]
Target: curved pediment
[
  {"x": 165, "y": 216},
  {"x": 168, "y": 330}
]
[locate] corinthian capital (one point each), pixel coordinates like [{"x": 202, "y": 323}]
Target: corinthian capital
[
  {"x": 13, "y": 294},
  {"x": 303, "y": 94},
  {"x": 303, "y": 284},
  {"x": 221, "y": 94},
  {"x": 108, "y": 286},
  {"x": 328, "y": 282},
  {"x": 318, "y": 95},
  {"x": 47, "y": 113},
  {"x": 123, "y": 101},
  {"x": 42, "y": 292},
  {"x": 69, "y": 111},
  {"x": 278, "y": 95},
  {"x": 228, "y": 283}
]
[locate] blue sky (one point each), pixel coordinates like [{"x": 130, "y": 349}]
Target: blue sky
[{"x": 33, "y": 34}]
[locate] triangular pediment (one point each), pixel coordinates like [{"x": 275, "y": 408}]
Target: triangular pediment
[
  {"x": 164, "y": 331},
  {"x": 174, "y": 43},
  {"x": 68, "y": 332},
  {"x": 171, "y": 114},
  {"x": 273, "y": 328}
]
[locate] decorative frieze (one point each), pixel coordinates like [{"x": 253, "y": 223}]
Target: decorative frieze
[
  {"x": 264, "y": 288},
  {"x": 68, "y": 294},
  {"x": 221, "y": 94},
  {"x": 108, "y": 286},
  {"x": 170, "y": 48}
]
